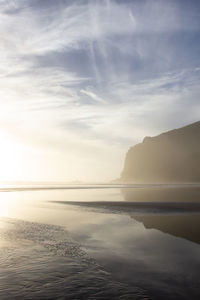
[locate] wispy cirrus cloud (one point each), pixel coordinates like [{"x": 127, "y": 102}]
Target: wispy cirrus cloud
[
  {"x": 93, "y": 96},
  {"x": 97, "y": 75}
]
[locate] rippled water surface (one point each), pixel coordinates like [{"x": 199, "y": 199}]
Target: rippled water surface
[{"x": 100, "y": 243}]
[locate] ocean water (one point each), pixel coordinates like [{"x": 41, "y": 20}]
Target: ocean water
[{"x": 100, "y": 242}]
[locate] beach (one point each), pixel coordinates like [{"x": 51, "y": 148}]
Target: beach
[{"x": 100, "y": 242}]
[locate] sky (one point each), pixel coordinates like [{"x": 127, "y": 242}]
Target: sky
[{"x": 83, "y": 81}]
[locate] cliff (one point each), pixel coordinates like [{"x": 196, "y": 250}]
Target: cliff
[{"x": 173, "y": 156}]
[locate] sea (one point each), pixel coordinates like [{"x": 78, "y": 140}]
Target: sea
[{"x": 100, "y": 241}]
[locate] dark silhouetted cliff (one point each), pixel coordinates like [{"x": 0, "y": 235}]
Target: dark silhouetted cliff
[{"x": 173, "y": 156}]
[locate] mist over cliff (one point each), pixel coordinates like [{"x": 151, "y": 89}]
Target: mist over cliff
[{"x": 173, "y": 156}]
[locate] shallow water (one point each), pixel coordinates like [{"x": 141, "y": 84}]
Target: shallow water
[{"x": 80, "y": 244}]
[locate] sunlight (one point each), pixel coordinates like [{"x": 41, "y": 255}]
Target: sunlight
[
  {"x": 5, "y": 207},
  {"x": 9, "y": 203},
  {"x": 10, "y": 157}
]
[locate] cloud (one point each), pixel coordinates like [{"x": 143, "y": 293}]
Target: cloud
[
  {"x": 93, "y": 96},
  {"x": 97, "y": 75}
]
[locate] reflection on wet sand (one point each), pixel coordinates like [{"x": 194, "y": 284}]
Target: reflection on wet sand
[
  {"x": 148, "y": 199},
  {"x": 95, "y": 250},
  {"x": 171, "y": 209},
  {"x": 184, "y": 226},
  {"x": 173, "y": 193}
]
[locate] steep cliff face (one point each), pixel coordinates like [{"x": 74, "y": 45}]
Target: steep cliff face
[{"x": 173, "y": 156}]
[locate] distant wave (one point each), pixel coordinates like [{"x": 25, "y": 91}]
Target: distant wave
[{"x": 15, "y": 188}]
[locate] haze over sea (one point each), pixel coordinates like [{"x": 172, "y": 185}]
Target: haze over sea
[
  {"x": 97, "y": 242},
  {"x": 99, "y": 91}
]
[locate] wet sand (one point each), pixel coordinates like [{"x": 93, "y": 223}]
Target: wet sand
[{"x": 99, "y": 244}]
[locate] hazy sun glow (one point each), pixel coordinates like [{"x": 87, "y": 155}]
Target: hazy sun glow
[
  {"x": 4, "y": 208},
  {"x": 10, "y": 157},
  {"x": 78, "y": 88}
]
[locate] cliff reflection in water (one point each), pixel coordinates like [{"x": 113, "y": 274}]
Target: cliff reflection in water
[
  {"x": 184, "y": 225},
  {"x": 163, "y": 193}
]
